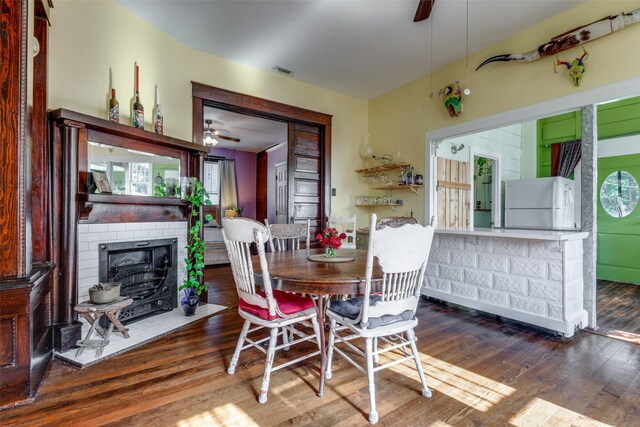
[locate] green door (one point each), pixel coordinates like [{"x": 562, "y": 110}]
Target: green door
[{"x": 618, "y": 222}]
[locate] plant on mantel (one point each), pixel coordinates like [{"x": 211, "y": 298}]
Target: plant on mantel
[{"x": 196, "y": 196}]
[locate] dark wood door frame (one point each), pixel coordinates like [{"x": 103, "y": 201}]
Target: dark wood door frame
[{"x": 204, "y": 95}]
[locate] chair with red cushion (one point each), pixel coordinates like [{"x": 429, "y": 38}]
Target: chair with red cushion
[{"x": 267, "y": 308}]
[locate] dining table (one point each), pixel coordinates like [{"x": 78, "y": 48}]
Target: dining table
[{"x": 295, "y": 271}]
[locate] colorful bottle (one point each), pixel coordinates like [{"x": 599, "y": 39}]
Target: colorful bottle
[
  {"x": 114, "y": 108},
  {"x": 137, "y": 113},
  {"x": 157, "y": 115}
]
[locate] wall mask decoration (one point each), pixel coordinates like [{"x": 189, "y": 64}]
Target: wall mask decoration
[
  {"x": 571, "y": 38},
  {"x": 452, "y": 98},
  {"x": 576, "y": 67}
]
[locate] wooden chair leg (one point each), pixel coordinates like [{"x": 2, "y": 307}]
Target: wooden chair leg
[
  {"x": 269, "y": 363},
  {"x": 332, "y": 340},
  {"x": 373, "y": 414},
  {"x": 316, "y": 331},
  {"x": 285, "y": 337},
  {"x": 426, "y": 391},
  {"x": 236, "y": 354},
  {"x": 94, "y": 325},
  {"x": 376, "y": 359}
]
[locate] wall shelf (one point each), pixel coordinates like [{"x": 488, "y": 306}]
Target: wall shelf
[
  {"x": 412, "y": 187},
  {"x": 385, "y": 167}
]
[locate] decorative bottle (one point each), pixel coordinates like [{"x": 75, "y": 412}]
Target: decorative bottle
[
  {"x": 137, "y": 113},
  {"x": 114, "y": 108},
  {"x": 157, "y": 115}
]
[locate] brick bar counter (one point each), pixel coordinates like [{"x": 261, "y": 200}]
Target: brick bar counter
[{"x": 533, "y": 276}]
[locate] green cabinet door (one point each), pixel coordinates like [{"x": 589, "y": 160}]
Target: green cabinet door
[{"x": 618, "y": 231}]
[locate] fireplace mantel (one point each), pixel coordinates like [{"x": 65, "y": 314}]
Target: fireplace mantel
[{"x": 73, "y": 205}]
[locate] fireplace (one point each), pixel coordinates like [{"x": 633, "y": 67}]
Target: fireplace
[{"x": 148, "y": 273}]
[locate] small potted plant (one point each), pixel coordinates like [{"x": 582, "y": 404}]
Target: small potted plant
[
  {"x": 193, "y": 284},
  {"x": 331, "y": 241}
]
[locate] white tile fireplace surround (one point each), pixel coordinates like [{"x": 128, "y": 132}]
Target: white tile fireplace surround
[
  {"x": 91, "y": 235},
  {"x": 534, "y": 276}
]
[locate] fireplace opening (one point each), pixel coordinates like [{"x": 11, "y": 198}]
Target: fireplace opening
[{"x": 148, "y": 273}]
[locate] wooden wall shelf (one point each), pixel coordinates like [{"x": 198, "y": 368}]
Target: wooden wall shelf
[
  {"x": 127, "y": 199},
  {"x": 388, "y": 166}
]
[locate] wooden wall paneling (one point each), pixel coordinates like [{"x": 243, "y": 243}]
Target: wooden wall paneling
[
  {"x": 304, "y": 167},
  {"x": 41, "y": 327},
  {"x": 262, "y": 185},
  {"x": 13, "y": 129},
  {"x": 67, "y": 330},
  {"x": 442, "y": 195},
  {"x": 40, "y": 152},
  {"x": 454, "y": 204}
]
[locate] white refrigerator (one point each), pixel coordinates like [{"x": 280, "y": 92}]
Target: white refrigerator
[{"x": 543, "y": 203}]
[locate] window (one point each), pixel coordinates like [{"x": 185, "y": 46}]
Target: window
[
  {"x": 141, "y": 179},
  {"x": 619, "y": 194},
  {"x": 212, "y": 181}
]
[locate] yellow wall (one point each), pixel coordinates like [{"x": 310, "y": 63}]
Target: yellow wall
[
  {"x": 89, "y": 37},
  {"x": 402, "y": 116}
]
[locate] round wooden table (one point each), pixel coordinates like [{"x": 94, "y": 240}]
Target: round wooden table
[{"x": 292, "y": 271}]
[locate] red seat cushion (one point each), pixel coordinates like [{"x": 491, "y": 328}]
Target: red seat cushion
[{"x": 287, "y": 303}]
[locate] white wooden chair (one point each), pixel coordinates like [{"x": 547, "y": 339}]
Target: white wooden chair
[
  {"x": 282, "y": 234},
  {"x": 346, "y": 225},
  {"x": 270, "y": 309},
  {"x": 388, "y": 316}
]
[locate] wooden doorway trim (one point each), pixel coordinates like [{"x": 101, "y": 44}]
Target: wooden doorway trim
[{"x": 204, "y": 95}]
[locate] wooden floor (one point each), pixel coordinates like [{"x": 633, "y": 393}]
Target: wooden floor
[
  {"x": 484, "y": 371},
  {"x": 618, "y": 307}
]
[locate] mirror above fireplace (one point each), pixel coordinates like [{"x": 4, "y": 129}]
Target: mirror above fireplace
[{"x": 133, "y": 172}]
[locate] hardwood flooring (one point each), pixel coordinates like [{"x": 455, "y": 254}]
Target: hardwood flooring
[
  {"x": 618, "y": 308},
  {"x": 484, "y": 371}
]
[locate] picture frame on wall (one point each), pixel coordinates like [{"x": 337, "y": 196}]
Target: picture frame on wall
[{"x": 102, "y": 182}]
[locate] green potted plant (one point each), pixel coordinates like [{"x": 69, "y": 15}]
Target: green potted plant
[
  {"x": 193, "y": 285},
  {"x": 484, "y": 167}
]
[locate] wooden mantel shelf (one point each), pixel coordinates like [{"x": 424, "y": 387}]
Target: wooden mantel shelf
[
  {"x": 121, "y": 130},
  {"x": 128, "y": 200}
]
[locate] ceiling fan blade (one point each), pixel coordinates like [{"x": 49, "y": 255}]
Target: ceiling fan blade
[
  {"x": 228, "y": 138},
  {"x": 424, "y": 10},
  {"x": 219, "y": 131}
]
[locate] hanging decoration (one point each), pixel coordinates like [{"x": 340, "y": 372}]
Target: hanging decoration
[
  {"x": 571, "y": 38},
  {"x": 452, "y": 98},
  {"x": 576, "y": 67}
]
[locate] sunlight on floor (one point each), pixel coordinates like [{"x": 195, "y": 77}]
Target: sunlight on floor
[
  {"x": 624, "y": 336},
  {"x": 226, "y": 415},
  {"x": 476, "y": 391},
  {"x": 540, "y": 412}
]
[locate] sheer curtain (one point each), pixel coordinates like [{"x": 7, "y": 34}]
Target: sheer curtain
[{"x": 228, "y": 192}]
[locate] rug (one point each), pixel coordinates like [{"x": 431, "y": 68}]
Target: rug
[{"x": 140, "y": 332}]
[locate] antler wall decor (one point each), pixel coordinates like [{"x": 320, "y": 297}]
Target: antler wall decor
[
  {"x": 571, "y": 38},
  {"x": 576, "y": 67}
]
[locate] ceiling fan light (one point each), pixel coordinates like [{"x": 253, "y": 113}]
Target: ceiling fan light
[{"x": 209, "y": 138}]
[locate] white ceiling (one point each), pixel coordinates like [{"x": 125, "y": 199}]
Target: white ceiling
[
  {"x": 256, "y": 134},
  {"x": 362, "y": 48}
]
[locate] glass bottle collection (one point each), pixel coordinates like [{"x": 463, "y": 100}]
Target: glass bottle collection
[{"x": 137, "y": 109}]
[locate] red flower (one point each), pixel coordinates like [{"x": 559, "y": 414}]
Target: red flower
[{"x": 330, "y": 238}]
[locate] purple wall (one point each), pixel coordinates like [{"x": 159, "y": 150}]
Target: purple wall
[
  {"x": 246, "y": 167},
  {"x": 276, "y": 156}
]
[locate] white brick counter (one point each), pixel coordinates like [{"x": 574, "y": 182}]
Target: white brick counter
[{"x": 530, "y": 276}]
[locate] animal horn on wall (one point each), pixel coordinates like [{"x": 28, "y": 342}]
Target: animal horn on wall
[{"x": 571, "y": 38}]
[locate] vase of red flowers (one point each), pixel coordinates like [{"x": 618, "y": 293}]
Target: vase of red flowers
[{"x": 331, "y": 241}]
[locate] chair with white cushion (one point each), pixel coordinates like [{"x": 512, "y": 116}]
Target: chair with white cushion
[
  {"x": 346, "y": 225},
  {"x": 281, "y": 235},
  {"x": 271, "y": 309},
  {"x": 385, "y": 317}
]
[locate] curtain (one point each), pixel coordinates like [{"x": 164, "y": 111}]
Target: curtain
[
  {"x": 570, "y": 154},
  {"x": 228, "y": 192},
  {"x": 555, "y": 159}
]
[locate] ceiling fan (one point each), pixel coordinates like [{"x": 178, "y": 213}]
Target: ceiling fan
[
  {"x": 424, "y": 10},
  {"x": 211, "y": 135}
]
